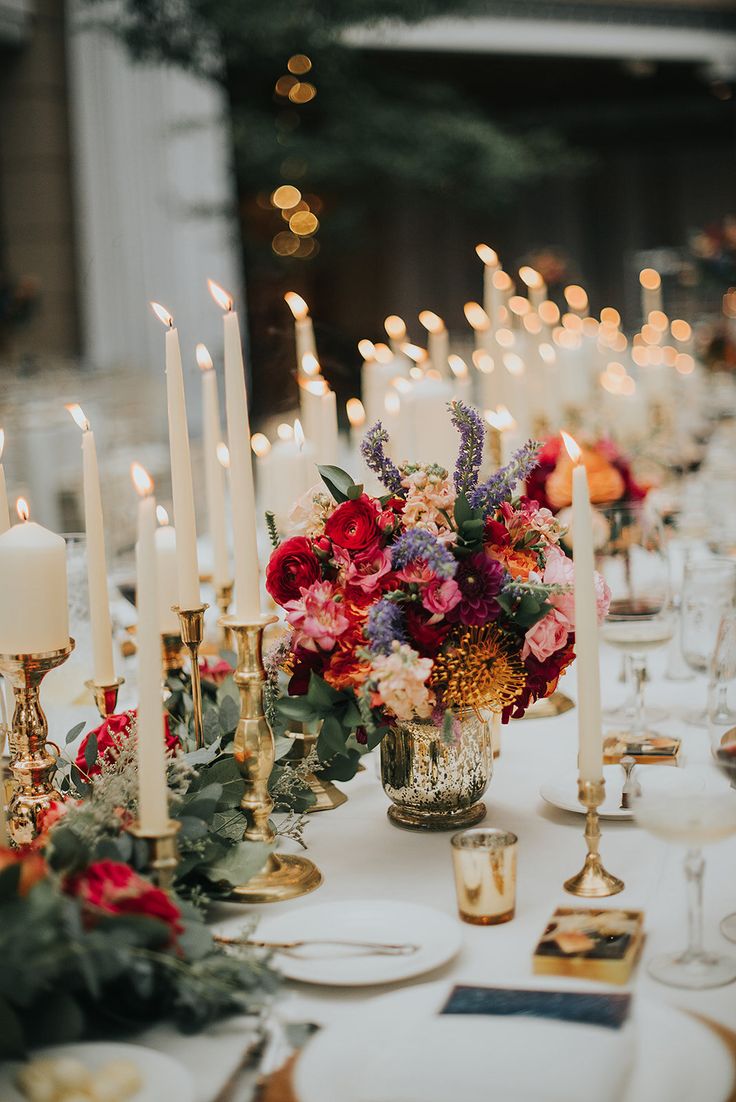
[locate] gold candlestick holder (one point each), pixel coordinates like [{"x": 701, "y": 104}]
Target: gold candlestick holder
[
  {"x": 106, "y": 696},
  {"x": 593, "y": 881},
  {"x": 556, "y": 704},
  {"x": 224, "y": 598},
  {"x": 284, "y": 876},
  {"x": 192, "y": 634},
  {"x": 328, "y": 795},
  {"x": 31, "y": 762},
  {"x": 163, "y": 852}
]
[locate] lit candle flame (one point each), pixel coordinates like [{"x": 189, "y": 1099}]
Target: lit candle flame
[
  {"x": 316, "y": 386},
  {"x": 223, "y": 454},
  {"x": 220, "y": 295},
  {"x": 141, "y": 479},
  {"x": 680, "y": 330},
  {"x": 571, "y": 446},
  {"x": 162, "y": 517},
  {"x": 531, "y": 277},
  {"x": 519, "y": 305},
  {"x": 299, "y": 434},
  {"x": 260, "y": 444},
  {"x": 458, "y": 367},
  {"x": 203, "y": 357},
  {"x": 505, "y": 338},
  {"x": 356, "y": 412},
  {"x": 483, "y": 362},
  {"x": 78, "y": 415},
  {"x": 610, "y": 315},
  {"x": 500, "y": 419},
  {"x": 22, "y": 509},
  {"x": 367, "y": 349},
  {"x": 502, "y": 280},
  {"x": 487, "y": 255},
  {"x": 383, "y": 353},
  {"x": 576, "y": 297},
  {"x": 514, "y": 364},
  {"x": 284, "y": 431},
  {"x": 392, "y": 403},
  {"x": 476, "y": 316},
  {"x": 649, "y": 279},
  {"x": 432, "y": 322},
  {"x": 414, "y": 352},
  {"x": 416, "y": 373},
  {"x": 162, "y": 314},
  {"x": 310, "y": 364},
  {"x": 395, "y": 327},
  {"x": 401, "y": 385},
  {"x": 297, "y": 305}
]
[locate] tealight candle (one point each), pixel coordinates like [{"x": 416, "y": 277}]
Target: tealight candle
[{"x": 34, "y": 616}]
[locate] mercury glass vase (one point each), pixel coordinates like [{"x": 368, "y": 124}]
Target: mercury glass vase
[{"x": 435, "y": 781}]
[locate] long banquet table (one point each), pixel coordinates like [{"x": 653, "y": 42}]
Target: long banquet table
[{"x": 362, "y": 856}]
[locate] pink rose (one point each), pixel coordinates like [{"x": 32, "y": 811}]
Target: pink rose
[
  {"x": 547, "y": 636},
  {"x": 440, "y": 596},
  {"x": 559, "y": 570},
  {"x": 317, "y": 618}
]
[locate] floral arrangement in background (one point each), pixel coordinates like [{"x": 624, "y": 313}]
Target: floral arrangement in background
[
  {"x": 714, "y": 250},
  {"x": 609, "y": 475},
  {"x": 446, "y": 593}
]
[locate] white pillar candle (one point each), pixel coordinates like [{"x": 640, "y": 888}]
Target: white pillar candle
[
  {"x": 213, "y": 470},
  {"x": 460, "y": 379},
  {"x": 380, "y": 367},
  {"x": 429, "y": 429},
  {"x": 491, "y": 265},
  {"x": 502, "y": 288},
  {"x": 303, "y": 328},
  {"x": 327, "y": 443},
  {"x": 182, "y": 487},
  {"x": 590, "y": 736},
  {"x": 247, "y": 584},
  {"x": 291, "y": 470},
  {"x": 153, "y": 812},
  {"x": 166, "y": 588},
  {"x": 438, "y": 341},
  {"x": 103, "y": 667},
  {"x": 34, "y": 617},
  {"x": 4, "y": 511}
]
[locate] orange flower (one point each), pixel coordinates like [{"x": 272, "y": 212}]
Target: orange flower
[
  {"x": 518, "y": 563},
  {"x": 32, "y": 867}
]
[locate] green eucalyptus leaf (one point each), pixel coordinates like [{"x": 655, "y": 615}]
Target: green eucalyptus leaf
[
  {"x": 342, "y": 768},
  {"x": 321, "y": 695},
  {"x": 355, "y": 491},
  {"x": 337, "y": 481},
  {"x": 238, "y": 864},
  {"x": 296, "y": 707},
  {"x": 74, "y": 733},
  {"x": 90, "y": 750},
  {"x": 331, "y": 739},
  {"x": 229, "y": 714}
]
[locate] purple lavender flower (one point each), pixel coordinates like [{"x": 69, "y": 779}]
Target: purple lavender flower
[
  {"x": 480, "y": 579},
  {"x": 469, "y": 424},
  {"x": 385, "y": 623},
  {"x": 377, "y": 461},
  {"x": 499, "y": 487},
  {"x": 418, "y": 543}
]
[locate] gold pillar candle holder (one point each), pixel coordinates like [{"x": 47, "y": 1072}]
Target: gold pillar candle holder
[
  {"x": 163, "y": 852},
  {"x": 593, "y": 881},
  {"x": 224, "y": 596},
  {"x": 192, "y": 634},
  {"x": 31, "y": 762},
  {"x": 556, "y": 704},
  {"x": 284, "y": 876},
  {"x": 106, "y": 696}
]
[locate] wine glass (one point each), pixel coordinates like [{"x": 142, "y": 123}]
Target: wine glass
[
  {"x": 708, "y": 594},
  {"x": 693, "y": 820},
  {"x": 633, "y": 561},
  {"x": 722, "y": 718}
]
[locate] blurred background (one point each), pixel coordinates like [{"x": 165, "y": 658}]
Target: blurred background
[{"x": 354, "y": 152}]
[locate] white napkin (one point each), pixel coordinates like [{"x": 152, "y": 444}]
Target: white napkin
[{"x": 512, "y": 1059}]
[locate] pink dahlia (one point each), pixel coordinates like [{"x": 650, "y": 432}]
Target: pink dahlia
[
  {"x": 317, "y": 618},
  {"x": 480, "y": 580}
]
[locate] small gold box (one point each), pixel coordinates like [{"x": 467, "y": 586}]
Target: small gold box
[
  {"x": 660, "y": 750},
  {"x": 594, "y": 944}
]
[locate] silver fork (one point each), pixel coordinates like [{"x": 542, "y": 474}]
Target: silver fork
[{"x": 377, "y": 947}]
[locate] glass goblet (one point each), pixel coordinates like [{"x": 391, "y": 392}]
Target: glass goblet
[
  {"x": 708, "y": 594},
  {"x": 722, "y": 718},
  {"x": 692, "y": 820}
]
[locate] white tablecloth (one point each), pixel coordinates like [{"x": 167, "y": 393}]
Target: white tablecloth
[{"x": 362, "y": 855}]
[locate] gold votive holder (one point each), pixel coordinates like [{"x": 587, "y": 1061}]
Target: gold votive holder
[
  {"x": 106, "y": 696},
  {"x": 163, "y": 852},
  {"x": 484, "y": 863},
  {"x": 192, "y": 634},
  {"x": 284, "y": 876},
  {"x": 593, "y": 881},
  {"x": 31, "y": 762}
]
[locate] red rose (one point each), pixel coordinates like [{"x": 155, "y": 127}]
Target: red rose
[
  {"x": 292, "y": 567},
  {"x": 110, "y": 731},
  {"x": 32, "y": 867},
  {"x": 426, "y": 637},
  {"x": 110, "y": 887},
  {"x": 353, "y": 524}
]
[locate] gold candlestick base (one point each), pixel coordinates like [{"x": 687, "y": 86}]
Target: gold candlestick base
[
  {"x": 192, "y": 634},
  {"x": 163, "y": 853},
  {"x": 106, "y": 696},
  {"x": 328, "y": 795},
  {"x": 31, "y": 763},
  {"x": 593, "y": 881},
  {"x": 283, "y": 876},
  {"x": 224, "y": 598},
  {"x": 556, "y": 704}
]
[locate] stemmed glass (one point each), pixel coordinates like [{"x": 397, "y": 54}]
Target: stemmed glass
[
  {"x": 633, "y": 561},
  {"x": 722, "y": 718},
  {"x": 708, "y": 594}
]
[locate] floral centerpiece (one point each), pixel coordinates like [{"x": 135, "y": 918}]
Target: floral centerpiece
[
  {"x": 443, "y": 600},
  {"x": 609, "y": 475}
]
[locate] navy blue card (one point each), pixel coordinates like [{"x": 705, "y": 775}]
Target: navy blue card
[{"x": 606, "y": 1010}]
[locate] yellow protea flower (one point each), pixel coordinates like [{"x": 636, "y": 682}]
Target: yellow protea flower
[{"x": 479, "y": 668}]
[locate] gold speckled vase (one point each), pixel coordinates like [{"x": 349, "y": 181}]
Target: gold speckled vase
[{"x": 435, "y": 782}]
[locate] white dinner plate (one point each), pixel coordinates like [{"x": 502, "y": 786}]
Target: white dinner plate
[
  {"x": 562, "y": 791},
  {"x": 397, "y": 1048},
  {"x": 162, "y": 1077},
  {"x": 438, "y": 936}
]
